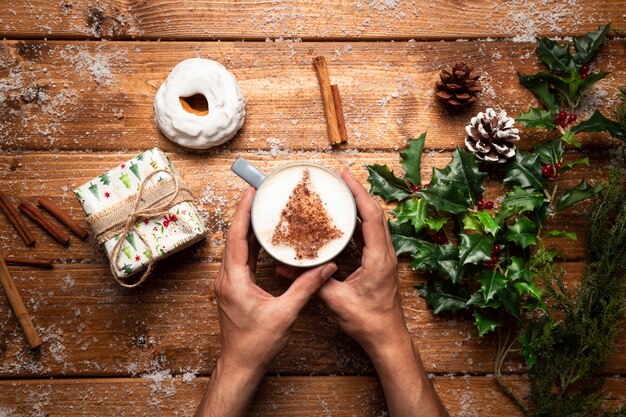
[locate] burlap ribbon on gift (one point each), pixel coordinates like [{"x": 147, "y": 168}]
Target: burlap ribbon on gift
[{"x": 122, "y": 218}]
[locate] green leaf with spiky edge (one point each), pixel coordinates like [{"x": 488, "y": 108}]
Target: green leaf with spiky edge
[
  {"x": 457, "y": 186},
  {"x": 511, "y": 301},
  {"x": 412, "y": 159},
  {"x": 478, "y": 299},
  {"x": 385, "y": 184},
  {"x": 550, "y": 152},
  {"x": 578, "y": 86},
  {"x": 475, "y": 248},
  {"x": 491, "y": 281},
  {"x": 537, "y": 118},
  {"x": 415, "y": 211},
  {"x": 519, "y": 200},
  {"x": 470, "y": 222},
  {"x": 442, "y": 295},
  {"x": 442, "y": 259},
  {"x": 403, "y": 237},
  {"x": 523, "y": 232},
  {"x": 568, "y": 137},
  {"x": 488, "y": 223},
  {"x": 484, "y": 323},
  {"x": 569, "y": 165},
  {"x": 555, "y": 55},
  {"x": 558, "y": 233},
  {"x": 598, "y": 123},
  {"x": 541, "y": 88},
  {"x": 517, "y": 271},
  {"x": 524, "y": 287},
  {"x": 525, "y": 170},
  {"x": 587, "y": 46},
  {"x": 582, "y": 192}
]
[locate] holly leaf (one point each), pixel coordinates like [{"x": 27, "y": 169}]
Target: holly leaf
[
  {"x": 582, "y": 192},
  {"x": 470, "y": 222},
  {"x": 403, "y": 238},
  {"x": 415, "y": 211},
  {"x": 442, "y": 259},
  {"x": 525, "y": 170},
  {"x": 570, "y": 165},
  {"x": 587, "y": 46},
  {"x": 487, "y": 222},
  {"x": 541, "y": 88},
  {"x": 484, "y": 323},
  {"x": 598, "y": 123},
  {"x": 443, "y": 295},
  {"x": 491, "y": 281},
  {"x": 510, "y": 299},
  {"x": 558, "y": 233},
  {"x": 523, "y": 232},
  {"x": 578, "y": 86},
  {"x": 537, "y": 118},
  {"x": 478, "y": 299},
  {"x": 519, "y": 200},
  {"x": 457, "y": 186},
  {"x": 568, "y": 137},
  {"x": 474, "y": 248},
  {"x": 412, "y": 159},
  {"x": 517, "y": 271},
  {"x": 385, "y": 184},
  {"x": 555, "y": 55},
  {"x": 550, "y": 152},
  {"x": 530, "y": 288}
]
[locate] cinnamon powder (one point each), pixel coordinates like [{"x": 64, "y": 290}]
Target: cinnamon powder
[{"x": 304, "y": 223}]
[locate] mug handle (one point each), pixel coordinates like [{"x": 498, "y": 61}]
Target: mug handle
[{"x": 248, "y": 172}]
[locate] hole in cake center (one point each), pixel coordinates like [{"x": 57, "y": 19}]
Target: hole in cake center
[{"x": 196, "y": 104}]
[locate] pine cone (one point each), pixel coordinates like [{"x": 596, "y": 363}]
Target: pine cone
[
  {"x": 490, "y": 136},
  {"x": 458, "y": 86}
]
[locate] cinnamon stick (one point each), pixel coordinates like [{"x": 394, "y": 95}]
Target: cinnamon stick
[
  {"x": 16, "y": 220},
  {"x": 17, "y": 304},
  {"x": 38, "y": 217},
  {"x": 341, "y": 123},
  {"x": 40, "y": 263},
  {"x": 321, "y": 69},
  {"x": 63, "y": 217}
]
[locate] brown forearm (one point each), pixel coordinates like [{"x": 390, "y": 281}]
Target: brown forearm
[
  {"x": 407, "y": 389},
  {"x": 230, "y": 391}
]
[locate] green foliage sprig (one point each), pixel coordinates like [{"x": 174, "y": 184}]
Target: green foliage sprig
[{"x": 564, "y": 84}]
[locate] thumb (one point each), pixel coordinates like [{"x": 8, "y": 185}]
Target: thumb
[{"x": 307, "y": 284}]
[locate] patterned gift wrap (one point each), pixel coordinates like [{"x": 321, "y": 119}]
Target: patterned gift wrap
[{"x": 166, "y": 234}]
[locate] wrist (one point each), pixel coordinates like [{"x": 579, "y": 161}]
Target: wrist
[
  {"x": 395, "y": 350},
  {"x": 236, "y": 372}
]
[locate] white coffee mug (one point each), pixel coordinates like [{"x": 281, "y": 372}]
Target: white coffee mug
[{"x": 271, "y": 197}]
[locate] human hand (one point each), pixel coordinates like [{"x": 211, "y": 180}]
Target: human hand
[
  {"x": 367, "y": 304},
  {"x": 255, "y": 326}
]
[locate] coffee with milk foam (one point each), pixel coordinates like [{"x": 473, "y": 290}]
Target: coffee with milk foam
[{"x": 303, "y": 214}]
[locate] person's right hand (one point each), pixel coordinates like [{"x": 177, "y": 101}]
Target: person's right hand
[{"x": 367, "y": 304}]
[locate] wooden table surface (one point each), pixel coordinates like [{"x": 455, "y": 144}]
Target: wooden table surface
[{"x": 77, "y": 82}]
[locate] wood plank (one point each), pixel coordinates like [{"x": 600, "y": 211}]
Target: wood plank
[
  {"x": 99, "y": 96},
  {"x": 336, "y": 396},
  {"x": 218, "y": 190},
  {"x": 316, "y": 19},
  {"x": 93, "y": 327}
]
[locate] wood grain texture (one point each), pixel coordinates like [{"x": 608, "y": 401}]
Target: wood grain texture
[
  {"x": 314, "y": 19},
  {"x": 218, "y": 190},
  {"x": 99, "y": 96},
  {"x": 93, "y": 327},
  {"x": 298, "y": 396}
]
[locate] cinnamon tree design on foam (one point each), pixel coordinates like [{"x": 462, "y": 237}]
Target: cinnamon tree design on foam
[{"x": 304, "y": 223}]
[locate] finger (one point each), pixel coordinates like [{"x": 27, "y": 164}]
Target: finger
[
  {"x": 358, "y": 236},
  {"x": 307, "y": 284},
  {"x": 236, "y": 252},
  {"x": 333, "y": 293},
  {"x": 372, "y": 216},
  {"x": 287, "y": 271}
]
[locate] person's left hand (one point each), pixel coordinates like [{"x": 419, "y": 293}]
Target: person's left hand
[{"x": 255, "y": 326}]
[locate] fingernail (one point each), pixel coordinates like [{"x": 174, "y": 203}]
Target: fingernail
[{"x": 328, "y": 270}]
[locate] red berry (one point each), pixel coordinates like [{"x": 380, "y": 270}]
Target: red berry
[
  {"x": 562, "y": 115},
  {"x": 584, "y": 71},
  {"x": 490, "y": 264},
  {"x": 416, "y": 188},
  {"x": 489, "y": 205},
  {"x": 427, "y": 185},
  {"x": 480, "y": 204},
  {"x": 559, "y": 165},
  {"x": 494, "y": 258},
  {"x": 440, "y": 237},
  {"x": 571, "y": 118},
  {"x": 497, "y": 249},
  {"x": 556, "y": 118}
]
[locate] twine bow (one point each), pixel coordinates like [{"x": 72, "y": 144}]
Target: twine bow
[{"x": 149, "y": 202}]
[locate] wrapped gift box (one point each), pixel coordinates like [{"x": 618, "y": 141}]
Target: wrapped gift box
[{"x": 165, "y": 234}]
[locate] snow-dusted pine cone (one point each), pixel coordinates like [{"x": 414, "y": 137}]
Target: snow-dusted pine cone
[{"x": 490, "y": 136}]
